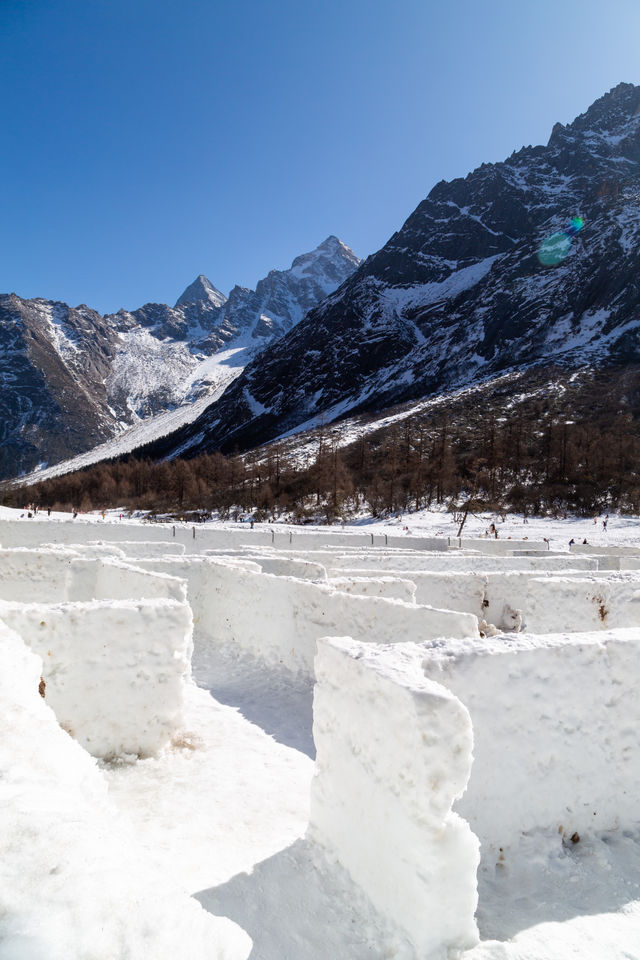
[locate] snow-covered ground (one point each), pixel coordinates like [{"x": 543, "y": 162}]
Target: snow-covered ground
[
  {"x": 620, "y": 530},
  {"x": 221, "y": 813}
]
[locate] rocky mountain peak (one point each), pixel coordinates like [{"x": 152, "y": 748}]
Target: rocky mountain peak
[
  {"x": 465, "y": 290},
  {"x": 73, "y": 378},
  {"x": 610, "y": 120},
  {"x": 201, "y": 289},
  {"x": 332, "y": 249}
]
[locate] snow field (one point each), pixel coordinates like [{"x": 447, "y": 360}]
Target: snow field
[
  {"x": 550, "y": 791},
  {"x": 394, "y": 752},
  {"x": 73, "y": 882}
]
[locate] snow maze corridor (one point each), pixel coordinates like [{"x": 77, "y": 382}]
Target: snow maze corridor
[{"x": 298, "y": 746}]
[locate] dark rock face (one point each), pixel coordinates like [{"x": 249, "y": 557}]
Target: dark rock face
[
  {"x": 462, "y": 293},
  {"x": 53, "y": 363},
  {"x": 72, "y": 378}
]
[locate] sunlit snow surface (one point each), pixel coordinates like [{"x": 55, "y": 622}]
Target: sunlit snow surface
[{"x": 224, "y": 811}]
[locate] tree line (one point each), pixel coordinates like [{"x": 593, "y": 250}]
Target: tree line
[{"x": 576, "y": 451}]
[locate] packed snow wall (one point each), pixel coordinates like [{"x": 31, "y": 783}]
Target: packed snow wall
[
  {"x": 555, "y": 725},
  {"x": 393, "y": 754},
  {"x": 405, "y": 562},
  {"x": 383, "y": 586},
  {"x": 560, "y": 600},
  {"x": 27, "y": 532},
  {"x": 284, "y": 566},
  {"x": 112, "y": 689},
  {"x": 56, "y": 575},
  {"x": 279, "y": 619}
]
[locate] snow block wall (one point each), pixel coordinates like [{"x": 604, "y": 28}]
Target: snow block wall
[
  {"x": 454, "y": 562},
  {"x": 56, "y": 575},
  {"x": 112, "y": 689},
  {"x": 74, "y": 882},
  {"x": 561, "y": 600},
  {"x": 287, "y": 567},
  {"x": 586, "y": 603},
  {"x": 556, "y": 723},
  {"x": 490, "y": 547},
  {"x": 394, "y": 587},
  {"x": 28, "y": 575},
  {"x": 199, "y": 574},
  {"x": 393, "y": 754},
  {"x": 113, "y": 579},
  {"x": 148, "y": 548},
  {"x": 279, "y": 619},
  {"x": 25, "y": 532}
]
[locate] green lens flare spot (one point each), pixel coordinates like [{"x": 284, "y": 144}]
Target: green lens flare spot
[{"x": 554, "y": 249}]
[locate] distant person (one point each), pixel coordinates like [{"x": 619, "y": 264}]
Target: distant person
[
  {"x": 571, "y": 542},
  {"x": 48, "y": 511},
  {"x": 585, "y": 540},
  {"x": 604, "y": 524}
]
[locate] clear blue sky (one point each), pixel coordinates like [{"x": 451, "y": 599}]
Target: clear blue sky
[{"x": 147, "y": 141}]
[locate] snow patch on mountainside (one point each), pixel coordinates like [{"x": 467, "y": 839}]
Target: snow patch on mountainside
[
  {"x": 60, "y": 334},
  {"x": 116, "y": 373}
]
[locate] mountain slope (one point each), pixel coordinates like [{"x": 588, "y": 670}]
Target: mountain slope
[
  {"x": 53, "y": 363},
  {"x": 73, "y": 379},
  {"x": 529, "y": 261}
]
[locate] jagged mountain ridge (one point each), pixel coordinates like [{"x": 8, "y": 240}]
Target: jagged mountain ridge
[
  {"x": 73, "y": 379},
  {"x": 459, "y": 295}
]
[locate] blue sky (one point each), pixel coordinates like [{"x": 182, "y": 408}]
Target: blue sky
[{"x": 147, "y": 141}]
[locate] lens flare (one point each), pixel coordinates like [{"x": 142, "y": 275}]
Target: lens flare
[
  {"x": 575, "y": 225},
  {"x": 554, "y": 249}
]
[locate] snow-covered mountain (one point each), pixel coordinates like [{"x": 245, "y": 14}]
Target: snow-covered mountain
[
  {"x": 73, "y": 379},
  {"x": 530, "y": 261}
]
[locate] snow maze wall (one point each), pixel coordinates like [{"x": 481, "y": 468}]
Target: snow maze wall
[{"x": 466, "y": 696}]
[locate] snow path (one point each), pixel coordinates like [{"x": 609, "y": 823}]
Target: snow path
[
  {"x": 226, "y": 815},
  {"x": 281, "y": 705},
  {"x": 297, "y": 906},
  {"x": 548, "y": 904},
  {"x": 228, "y": 799}
]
